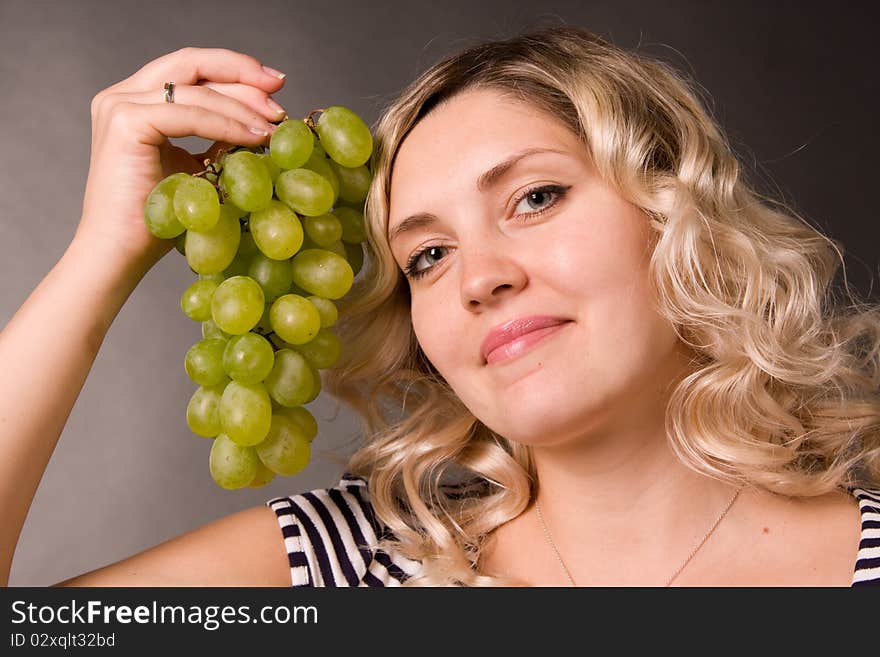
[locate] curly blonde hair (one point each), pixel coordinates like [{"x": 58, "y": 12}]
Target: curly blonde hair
[{"x": 783, "y": 394}]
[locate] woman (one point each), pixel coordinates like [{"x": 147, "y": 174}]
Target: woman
[{"x": 607, "y": 361}]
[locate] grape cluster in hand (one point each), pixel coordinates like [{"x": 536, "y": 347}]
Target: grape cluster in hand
[{"x": 274, "y": 236}]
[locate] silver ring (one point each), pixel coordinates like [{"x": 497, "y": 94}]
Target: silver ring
[{"x": 169, "y": 92}]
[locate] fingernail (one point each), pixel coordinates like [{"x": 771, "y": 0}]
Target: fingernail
[
  {"x": 274, "y": 73},
  {"x": 275, "y": 107},
  {"x": 258, "y": 131}
]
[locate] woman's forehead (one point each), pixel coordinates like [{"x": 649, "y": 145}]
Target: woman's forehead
[{"x": 466, "y": 136}]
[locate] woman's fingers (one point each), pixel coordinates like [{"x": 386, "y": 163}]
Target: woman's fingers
[
  {"x": 152, "y": 123},
  {"x": 132, "y": 124},
  {"x": 255, "y": 98},
  {"x": 191, "y": 65},
  {"x": 227, "y": 81},
  {"x": 198, "y": 96}
]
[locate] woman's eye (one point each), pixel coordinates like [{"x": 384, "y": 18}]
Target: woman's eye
[
  {"x": 534, "y": 200},
  {"x": 428, "y": 253},
  {"x": 539, "y": 199}
]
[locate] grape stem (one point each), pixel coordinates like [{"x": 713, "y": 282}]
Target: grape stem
[
  {"x": 210, "y": 165},
  {"x": 310, "y": 121},
  {"x": 268, "y": 335}
]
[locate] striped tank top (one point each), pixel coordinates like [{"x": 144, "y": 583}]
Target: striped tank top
[{"x": 328, "y": 534}]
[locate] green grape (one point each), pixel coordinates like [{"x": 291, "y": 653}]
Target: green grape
[
  {"x": 323, "y": 273},
  {"x": 354, "y": 253},
  {"x": 219, "y": 277},
  {"x": 337, "y": 247},
  {"x": 323, "y": 230},
  {"x": 204, "y": 362},
  {"x": 296, "y": 289},
  {"x": 211, "y": 330},
  {"x": 322, "y": 351},
  {"x": 201, "y": 412},
  {"x": 300, "y": 416},
  {"x": 240, "y": 264},
  {"x": 238, "y": 267},
  {"x": 233, "y": 209},
  {"x": 264, "y": 475},
  {"x": 271, "y": 167},
  {"x": 326, "y": 309},
  {"x": 292, "y": 379},
  {"x": 286, "y": 449},
  {"x": 274, "y": 276},
  {"x": 353, "y": 229},
  {"x": 294, "y": 319},
  {"x": 344, "y": 136},
  {"x": 356, "y": 206},
  {"x": 180, "y": 243},
  {"x": 237, "y": 305},
  {"x": 277, "y": 230},
  {"x": 248, "y": 358},
  {"x": 159, "y": 213},
  {"x": 232, "y": 466},
  {"x": 354, "y": 184},
  {"x": 245, "y": 412},
  {"x": 320, "y": 164},
  {"x": 291, "y": 144},
  {"x": 195, "y": 302},
  {"x": 196, "y": 204},
  {"x": 212, "y": 251},
  {"x": 246, "y": 180},
  {"x": 308, "y": 243},
  {"x": 316, "y": 388},
  {"x": 305, "y": 191}
]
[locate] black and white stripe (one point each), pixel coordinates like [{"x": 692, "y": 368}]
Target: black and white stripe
[
  {"x": 330, "y": 536},
  {"x": 867, "y": 569}
]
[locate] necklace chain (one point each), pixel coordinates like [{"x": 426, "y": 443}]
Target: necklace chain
[{"x": 674, "y": 575}]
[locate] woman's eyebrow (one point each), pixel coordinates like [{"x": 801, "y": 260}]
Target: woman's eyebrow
[
  {"x": 484, "y": 182},
  {"x": 496, "y": 173}
]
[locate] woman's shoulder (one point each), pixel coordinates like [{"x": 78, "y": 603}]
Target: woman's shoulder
[
  {"x": 331, "y": 535},
  {"x": 826, "y": 540},
  {"x": 847, "y": 524}
]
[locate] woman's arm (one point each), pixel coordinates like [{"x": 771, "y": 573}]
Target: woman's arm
[
  {"x": 242, "y": 549},
  {"x": 47, "y": 350},
  {"x": 49, "y": 345}
]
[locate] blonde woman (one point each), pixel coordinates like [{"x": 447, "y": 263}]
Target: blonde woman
[{"x": 584, "y": 351}]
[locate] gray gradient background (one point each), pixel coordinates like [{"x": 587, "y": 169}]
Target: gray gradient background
[{"x": 794, "y": 87}]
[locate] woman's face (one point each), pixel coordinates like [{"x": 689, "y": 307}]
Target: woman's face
[{"x": 493, "y": 258}]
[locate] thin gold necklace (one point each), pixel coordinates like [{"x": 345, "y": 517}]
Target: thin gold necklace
[{"x": 675, "y": 574}]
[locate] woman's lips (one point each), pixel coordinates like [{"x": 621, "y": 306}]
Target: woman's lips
[{"x": 522, "y": 344}]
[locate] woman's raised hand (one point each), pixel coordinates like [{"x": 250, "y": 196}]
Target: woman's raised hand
[{"x": 219, "y": 94}]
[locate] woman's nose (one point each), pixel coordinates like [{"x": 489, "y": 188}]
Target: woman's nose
[{"x": 488, "y": 274}]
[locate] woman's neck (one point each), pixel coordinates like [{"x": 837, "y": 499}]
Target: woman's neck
[{"x": 621, "y": 508}]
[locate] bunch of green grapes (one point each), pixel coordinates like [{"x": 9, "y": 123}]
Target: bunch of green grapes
[{"x": 274, "y": 237}]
